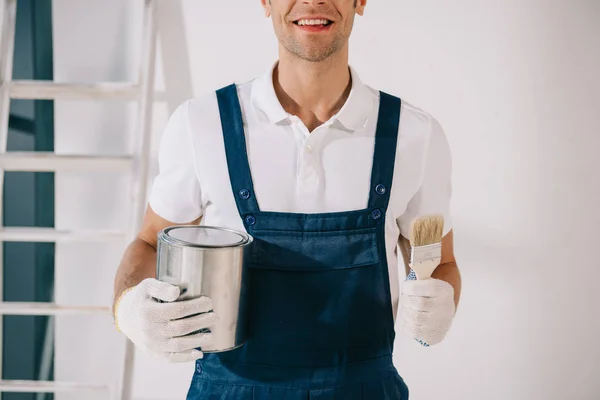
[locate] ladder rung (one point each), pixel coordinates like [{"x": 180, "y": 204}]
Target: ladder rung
[
  {"x": 23, "y": 386},
  {"x": 48, "y": 161},
  {"x": 39, "y": 308},
  {"x": 50, "y": 90},
  {"x": 45, "y": 235}
]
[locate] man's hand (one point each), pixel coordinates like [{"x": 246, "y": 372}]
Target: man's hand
[
  {"x": 151, "y": 318},
  {"x": 428, "y": 309}
]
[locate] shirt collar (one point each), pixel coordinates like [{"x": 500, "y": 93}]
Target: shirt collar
[{"x": 353, "y": 115}]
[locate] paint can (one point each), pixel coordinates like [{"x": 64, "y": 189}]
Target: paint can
[{"x": 209, "y": 261}]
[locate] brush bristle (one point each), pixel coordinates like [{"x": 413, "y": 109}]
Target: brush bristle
[{"x": 426, "y": 230}]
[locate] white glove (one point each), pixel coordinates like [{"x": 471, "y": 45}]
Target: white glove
[
  {"x": 157, "y": 328},
  {"x": 428, "y": 309}
]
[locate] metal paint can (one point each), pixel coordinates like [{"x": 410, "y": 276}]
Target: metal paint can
[{"x": 209, "y": 261}]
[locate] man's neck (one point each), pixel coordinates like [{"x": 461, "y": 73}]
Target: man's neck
[{"x": 312, "y": 91}]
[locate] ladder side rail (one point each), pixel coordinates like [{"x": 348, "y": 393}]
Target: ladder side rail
[
  {"x": 143, "y": 134},
  {"x": 7, "y": 44}
]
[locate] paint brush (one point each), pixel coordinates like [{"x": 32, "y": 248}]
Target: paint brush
[{"x": 425, "y": 248}]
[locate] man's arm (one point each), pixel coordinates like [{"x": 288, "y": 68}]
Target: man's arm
[
  {"x": 139, "y": 260},
  {"x": 177, "y": 174},
  {"x": 145, "y": 309},
  {"x": 447, "y": 270}
]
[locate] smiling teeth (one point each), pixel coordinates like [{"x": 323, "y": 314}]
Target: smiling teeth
[{"x": 313, "y": 22}]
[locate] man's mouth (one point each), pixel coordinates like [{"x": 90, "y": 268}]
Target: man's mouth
[{"x": 313, "y": 23}]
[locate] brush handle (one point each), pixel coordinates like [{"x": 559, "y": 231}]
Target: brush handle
[
  {"x": 413, "y": 277},
  {"x": 423, "y": 261}
]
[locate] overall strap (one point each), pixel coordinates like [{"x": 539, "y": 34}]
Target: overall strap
[
  {"x": 386, "y": 137},
  {"x": 235, "y": 149}
]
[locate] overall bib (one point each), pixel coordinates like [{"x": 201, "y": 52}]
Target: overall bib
[{"x": 320, "y": 314}]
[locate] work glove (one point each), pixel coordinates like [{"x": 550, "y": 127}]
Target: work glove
[
  {"x": 158, "y": 325},
  {"x": 427, "y": 309}
]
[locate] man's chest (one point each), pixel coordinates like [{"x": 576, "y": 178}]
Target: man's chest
[{"x": 291, "y": 172}]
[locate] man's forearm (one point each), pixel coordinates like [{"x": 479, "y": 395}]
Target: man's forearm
[
  {"x": 449, "y": 272},
  {"x": 139, "y": 263}
]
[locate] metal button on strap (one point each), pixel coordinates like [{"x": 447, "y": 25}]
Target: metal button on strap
[
  {"x": 250, "y": 220},
  {"x": 244, "y": 194},
  {"x": 380, "y": 189},
  {"x": 376, "y": 214}
]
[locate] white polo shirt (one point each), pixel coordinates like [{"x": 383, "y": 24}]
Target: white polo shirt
[{"x": 328, "y": 170}]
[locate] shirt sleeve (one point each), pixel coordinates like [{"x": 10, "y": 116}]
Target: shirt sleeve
[
  {"x": 175, "y": 194},
  {"x": 434, "y": 194}
]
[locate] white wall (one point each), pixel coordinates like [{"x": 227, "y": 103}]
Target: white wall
[{"x": 514, "y": 84}]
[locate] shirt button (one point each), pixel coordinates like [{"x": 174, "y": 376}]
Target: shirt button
[{"x": 309, "y": 149}]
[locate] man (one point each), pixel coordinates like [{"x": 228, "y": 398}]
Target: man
[{"x": 332, "y": 172}]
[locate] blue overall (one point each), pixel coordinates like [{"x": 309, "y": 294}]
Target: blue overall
[{"x": 320, "y": 315}]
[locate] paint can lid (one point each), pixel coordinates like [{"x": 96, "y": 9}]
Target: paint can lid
[{"x": 203, "y": 236}]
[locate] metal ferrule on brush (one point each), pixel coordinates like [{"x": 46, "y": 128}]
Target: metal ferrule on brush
[{"x": 425, "y": 259}]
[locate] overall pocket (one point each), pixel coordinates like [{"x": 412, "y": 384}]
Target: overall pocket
[
  {"x": 314, "y": 251},
  {"x": 317, "y": 291}
]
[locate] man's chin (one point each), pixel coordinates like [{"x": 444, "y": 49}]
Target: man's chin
[{"x": 313, "y": 55}]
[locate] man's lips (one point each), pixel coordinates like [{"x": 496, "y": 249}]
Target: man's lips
[
  {"x": 313, "y": 24},
  {"x": 312, "y": 21}
]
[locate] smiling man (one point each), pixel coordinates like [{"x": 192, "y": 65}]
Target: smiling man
[{"x": 327, "y": 175}]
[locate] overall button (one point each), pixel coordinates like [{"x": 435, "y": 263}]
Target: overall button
[
  {"x": 198, "y": 368},
  {"x": 376, "y": 214},
  {"x": 244, "y": 194},
  {"x": 250, "y": 220},
  {"x": 380, "y": 189}
]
